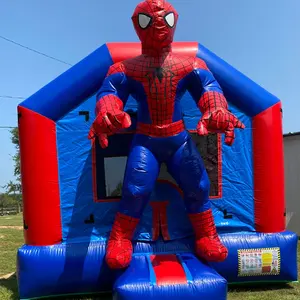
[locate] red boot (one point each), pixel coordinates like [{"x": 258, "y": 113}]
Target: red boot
[
  {"x": 119, "y": 247},
  {"x": 208, "y": 244}
]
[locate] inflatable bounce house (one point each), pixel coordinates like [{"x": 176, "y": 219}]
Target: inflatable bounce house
[{"x": 76, "y": 189}]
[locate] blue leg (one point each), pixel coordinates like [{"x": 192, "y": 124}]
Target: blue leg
[
  {"x": 142, "y": 170},
  {"x": 187, "y": 168}
]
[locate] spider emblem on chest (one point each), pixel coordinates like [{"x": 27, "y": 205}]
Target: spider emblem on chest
[{"x": 160, "y": 80}]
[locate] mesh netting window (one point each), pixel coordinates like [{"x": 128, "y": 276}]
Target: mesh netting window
[
  {"x": 114, "y": 175},
  {"x": 208, "y": 146}
]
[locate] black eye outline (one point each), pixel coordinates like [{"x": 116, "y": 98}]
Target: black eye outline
[
  {"x": 146, "y": 15},
  {"x": 165, "y": 17}
]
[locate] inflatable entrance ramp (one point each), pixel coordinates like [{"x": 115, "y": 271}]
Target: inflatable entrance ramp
[{"x": 170, "y": 276}]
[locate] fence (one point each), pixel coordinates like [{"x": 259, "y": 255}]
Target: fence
[{"x": 10, "y": 210}]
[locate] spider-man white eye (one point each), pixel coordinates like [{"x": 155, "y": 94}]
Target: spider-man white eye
[
  {"x": 144, "y": 21},
  {"x": 170, "y": 19}
]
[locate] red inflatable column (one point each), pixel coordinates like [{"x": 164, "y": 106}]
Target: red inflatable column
[
  {"x": 269, "y": 199},
  {"x": 39, "y": 168}
]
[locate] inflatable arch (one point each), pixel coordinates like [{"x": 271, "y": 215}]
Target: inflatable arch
[{"x": 71, "y": 192}]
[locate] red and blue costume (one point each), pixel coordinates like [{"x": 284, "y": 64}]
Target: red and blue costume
[{"x": 157, "y": 79}]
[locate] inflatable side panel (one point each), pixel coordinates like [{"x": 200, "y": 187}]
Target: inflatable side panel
[
  {"x": 260, "y": 257},
  {"x": 267, "y": 140},
  {"x": 234, "y": 211},
  {"x": 269, "y": 170},
  {"x": 40, "y": 184}
]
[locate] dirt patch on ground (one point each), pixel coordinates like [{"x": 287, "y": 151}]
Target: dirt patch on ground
[
  {"x": 7, "y": 275},
  {"x": 12, "y": 227}
]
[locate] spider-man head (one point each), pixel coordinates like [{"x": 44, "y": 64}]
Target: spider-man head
[{"x": 155, "y": 22}]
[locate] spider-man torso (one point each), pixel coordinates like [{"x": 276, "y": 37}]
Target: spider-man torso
[
  {"x": 159, "y": 78},
  {"x": 157, "y": 84}
]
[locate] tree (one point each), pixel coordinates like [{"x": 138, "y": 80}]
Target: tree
[
  {"x": 15, "y": 188},
  {"x": 6, "y": 200}
]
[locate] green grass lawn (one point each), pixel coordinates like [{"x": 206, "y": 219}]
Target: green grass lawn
[
  {"x": 11, "y": 237},
  {"x": 15, "y": 220}
]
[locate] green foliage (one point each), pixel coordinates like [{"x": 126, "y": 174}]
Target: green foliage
[
  {"x": 15, "y": 188},
  {"x": 15, "y": 140},
  {"x": 7, "y": 200}
]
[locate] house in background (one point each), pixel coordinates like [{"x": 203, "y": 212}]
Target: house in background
[{"x": 292, "y": 180}]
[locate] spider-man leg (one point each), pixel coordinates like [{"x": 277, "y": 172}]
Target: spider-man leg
[
  {"x": 141, "y": 173},
  {"x": 187, "y": 168}
]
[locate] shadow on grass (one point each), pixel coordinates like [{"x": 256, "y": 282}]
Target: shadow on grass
[
  {"x": 95, "y": 297},
  {"x": 263, "y": 287},
  {"x": 11, "y": 285},
  {"x": 82, "y": 297}
]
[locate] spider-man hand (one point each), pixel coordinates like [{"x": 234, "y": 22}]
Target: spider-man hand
[
  {"x": 110, "y": 118},
  {"x": 216, "y": 118}
]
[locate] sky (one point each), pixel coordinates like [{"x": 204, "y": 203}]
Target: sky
[{"x": 259, "y": 37}]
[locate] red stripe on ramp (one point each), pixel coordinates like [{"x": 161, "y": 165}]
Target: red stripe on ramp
[{"x": 168, "y": 270}]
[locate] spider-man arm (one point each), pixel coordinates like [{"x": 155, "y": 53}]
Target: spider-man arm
[
  {"x": 210, "y": 99},
  {"x": 111, "y": 99}
]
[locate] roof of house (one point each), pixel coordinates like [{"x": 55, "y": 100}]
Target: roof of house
[{"x": 291, "y": 134}]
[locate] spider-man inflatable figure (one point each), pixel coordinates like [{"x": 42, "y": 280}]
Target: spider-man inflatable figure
[{"x": 157, "y": 79}]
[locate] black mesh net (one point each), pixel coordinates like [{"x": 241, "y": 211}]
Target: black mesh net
[{"x": 114, "y": 167}]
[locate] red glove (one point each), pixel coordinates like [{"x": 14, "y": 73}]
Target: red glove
[
  {"x": 216, "y": 118},
  {"x": 110, "y": 119}
]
